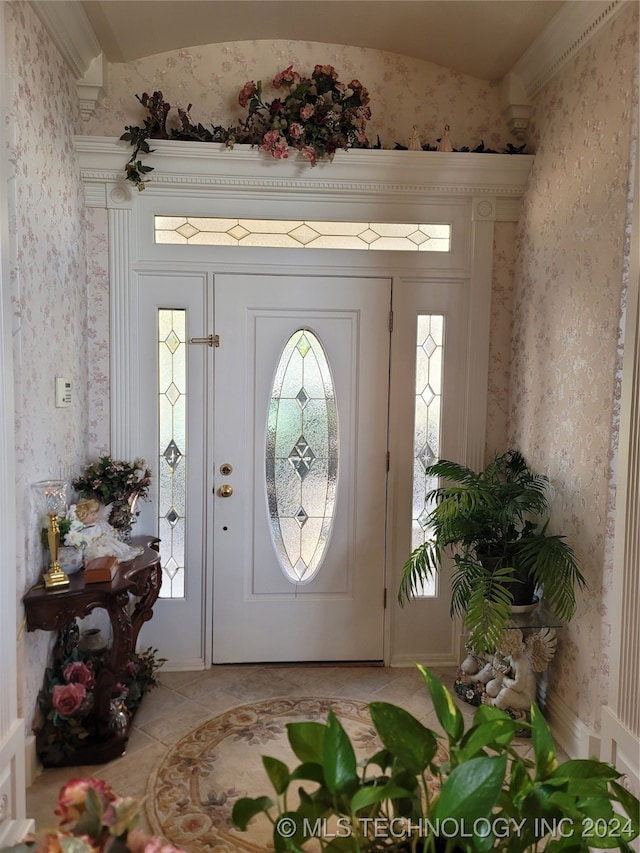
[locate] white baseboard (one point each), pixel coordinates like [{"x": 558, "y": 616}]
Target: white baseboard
[
  {"x": 32, "y": 767},
  {"x": 621, "y": 747},
  {"x": 569, "y": 732},
  {"x": 428, "y": 660},
  {"x": 182, "y": 665},
  {"x": 14, "y": 825}
]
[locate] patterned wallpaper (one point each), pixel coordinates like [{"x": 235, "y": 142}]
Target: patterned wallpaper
[
  {"x": 48, "y": 284},
  {"x": 558, "y": 384},
  {"x": 403, "y": 91},
  {"x": 502, "y": 296},
  {"x": 565, "y": 369}
]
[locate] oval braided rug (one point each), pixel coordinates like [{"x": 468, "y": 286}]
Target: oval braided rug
[{"x": 191, "y": 795}]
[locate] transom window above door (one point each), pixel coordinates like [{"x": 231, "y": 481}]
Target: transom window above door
[{"x": 303, "y": 234}]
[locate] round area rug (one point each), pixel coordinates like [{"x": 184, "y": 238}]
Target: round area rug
[{"x": 192, "y": 793}]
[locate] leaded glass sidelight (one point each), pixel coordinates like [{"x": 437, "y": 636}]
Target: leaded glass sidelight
[
  {"x": 302, "y": 457},
  {"x": 428, "y": 401},
  {"x": 172, "y": 409}
]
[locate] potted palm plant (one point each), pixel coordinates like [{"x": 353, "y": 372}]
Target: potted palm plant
[{"x": 494, "y": 524}]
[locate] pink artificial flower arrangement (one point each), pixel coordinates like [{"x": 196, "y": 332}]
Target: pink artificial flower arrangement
[
  {"x": 97, "y": 820},
  {"x": 66, "y": 717},
  {"x": 316, "y": 115}
]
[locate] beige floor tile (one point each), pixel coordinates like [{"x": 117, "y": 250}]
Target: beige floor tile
[{"x": 185, "y": 699}]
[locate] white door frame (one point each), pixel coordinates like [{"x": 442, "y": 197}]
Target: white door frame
[
  {"x": 14, "y": 824},
  {"x": 472, "y": 191}
]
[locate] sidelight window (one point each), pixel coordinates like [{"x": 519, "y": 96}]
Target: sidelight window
[
  {"x": 427, "y": 428},
  {"x": 172, "y": 408}
]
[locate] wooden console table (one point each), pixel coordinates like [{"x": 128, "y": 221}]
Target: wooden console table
[{"x": 53, "y": 609}]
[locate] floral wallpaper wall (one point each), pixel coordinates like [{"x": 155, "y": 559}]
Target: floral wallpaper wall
[
  {"x": 48, "y": 283},
  {"x": 403, "y": 91},
  {"x": 565, "y": 369},
  {"x": 502, "y": 299},
  {"x": 98, "y": 437}
]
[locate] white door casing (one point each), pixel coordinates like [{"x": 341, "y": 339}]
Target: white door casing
[{"x": 469, "y": 191}]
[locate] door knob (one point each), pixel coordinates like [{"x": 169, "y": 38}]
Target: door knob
[{"x": 225, "y": 491}]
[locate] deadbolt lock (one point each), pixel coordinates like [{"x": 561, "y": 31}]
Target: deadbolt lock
[
  {"x": 226, "y": 469},
  {"x": 225, "y": 491}
]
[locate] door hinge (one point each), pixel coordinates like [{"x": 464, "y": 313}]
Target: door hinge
[
  {"x": 388, "y": 461},
  {"x": 384, "y": 604},
  {"x": 391, "y": 321},
  {"x": 210, "y": 340}
]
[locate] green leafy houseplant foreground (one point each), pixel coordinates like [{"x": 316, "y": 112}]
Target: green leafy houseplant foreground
[
  {"x": 487, "y": 795},
  {"x": 494, "y": 524}
]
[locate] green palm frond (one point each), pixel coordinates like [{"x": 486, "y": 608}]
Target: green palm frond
[
  {"x": 553, "y": 564},
  {"x": 421, "y": 566},
  {"x": 453, "y": 471},
  {"x": 489, "y": 608}
]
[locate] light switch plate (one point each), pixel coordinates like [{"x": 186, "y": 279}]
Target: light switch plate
[{"x": 64, "y": 388}]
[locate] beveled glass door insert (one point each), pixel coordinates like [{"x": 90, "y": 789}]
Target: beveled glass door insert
[{"x": 302, "y": 457}]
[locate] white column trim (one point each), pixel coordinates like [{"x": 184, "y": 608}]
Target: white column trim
[
  {"x": 13, "y": 821},
  {"x": 621, "y": 717},
  {"x": 123, "y": 322}
]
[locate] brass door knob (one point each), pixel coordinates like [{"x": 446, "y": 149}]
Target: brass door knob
[{"x": 225, "y": 491}]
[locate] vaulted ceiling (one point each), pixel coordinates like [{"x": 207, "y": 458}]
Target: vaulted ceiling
[{"x": 483, "y": 38}]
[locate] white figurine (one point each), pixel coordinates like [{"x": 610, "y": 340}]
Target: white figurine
[
  {"x": 445, "y": 141},
  {"x": 91, "y": 531},
  {"x": 414, "y": 140},
  {"x": 515, "y": 689}
]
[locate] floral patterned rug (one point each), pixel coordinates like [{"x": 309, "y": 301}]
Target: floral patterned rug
[{"x": 191, "y": 795}]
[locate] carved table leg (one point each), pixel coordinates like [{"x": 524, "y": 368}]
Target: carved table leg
[{"x": 115, "y": 664}]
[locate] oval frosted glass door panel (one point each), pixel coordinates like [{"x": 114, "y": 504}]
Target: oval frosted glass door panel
[{"x": 302, "y": 457}]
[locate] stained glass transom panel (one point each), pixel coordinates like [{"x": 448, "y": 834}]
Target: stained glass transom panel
[
  {"x": 172, "y": 410},
  {"x": 428, "y": 415},
  {"x": 304, "y": 234},
  {"x": 302, "y": 457}
]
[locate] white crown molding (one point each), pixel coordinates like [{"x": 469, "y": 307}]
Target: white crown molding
[
  {"x": 69, "y": 27},
  {"x": 568, "y": 32},
  {"x": 205, "y": 167}
]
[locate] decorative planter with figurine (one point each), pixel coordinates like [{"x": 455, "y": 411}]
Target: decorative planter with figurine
[{"x": 494, "y": 525}]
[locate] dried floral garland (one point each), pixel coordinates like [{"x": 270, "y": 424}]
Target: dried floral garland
[{"x": 315, "y": 116}]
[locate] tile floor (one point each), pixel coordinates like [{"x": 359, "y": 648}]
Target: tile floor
[{"x": 184, "y": 699}]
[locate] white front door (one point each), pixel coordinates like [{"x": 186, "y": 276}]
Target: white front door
[{"x": 300, "y": 453}]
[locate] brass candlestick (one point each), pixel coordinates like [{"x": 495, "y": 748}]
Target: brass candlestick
[
  {"x": 56, "y": 576},
  {"x": 51, "y": 499}
]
